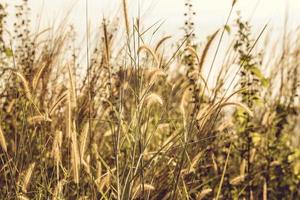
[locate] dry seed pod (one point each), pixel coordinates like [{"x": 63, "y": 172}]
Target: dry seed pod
[
  {"x": 206, "y": 48},
  {"x": 214, "y": 163},
  {"x": 153, "y": 99},
  {"x": 56, "y": 147},
  {"x": 203, "y": 193},
  {"x": 160, "y": 42},
  {"x": 265, "y": 118},
  {"x": 149, "y": 50},
  {"x": 27, "y": 177},
  {"x": 68, "y": 117},
  {"x": 155, "y": 74},
  {"x": 252, "y": 155},
  {"x": 10, "y": 106},
  {"x": 237, "y": 180},
  {"x": 138, "y": 189},
  {"x": 25, "y": 85},
  {"x": 39, "y": 119},
  {"x": 243, "y": 167},
  {"x": 60, "y": 99},
  {"x": 195, "y": 161},
  {"x": 37, "y": 76},
  {"x": 193, "y": 52}
]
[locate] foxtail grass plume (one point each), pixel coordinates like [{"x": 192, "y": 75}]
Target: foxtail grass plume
[
  {"x": 204, "y": 193},
  {"x": 25, "y": 85},
  {"x": 160, "y": 42},
  {"x": 149, "y": 50},
  {"x": 27, "y": 177}
]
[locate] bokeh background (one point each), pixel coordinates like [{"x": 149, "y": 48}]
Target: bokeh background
[{"x": 211, "y": 14}]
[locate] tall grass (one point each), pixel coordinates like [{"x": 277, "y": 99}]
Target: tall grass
[{"x": 133, "y": 122}]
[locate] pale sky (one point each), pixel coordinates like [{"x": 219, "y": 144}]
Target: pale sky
[{"x": 211, "y": 14}]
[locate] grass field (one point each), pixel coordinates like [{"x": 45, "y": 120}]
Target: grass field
[{"x": 133, "y": 120}]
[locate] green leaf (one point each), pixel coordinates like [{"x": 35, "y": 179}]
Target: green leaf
[
  {"x": 256, "y": 138},
  {"x": 256, "y": 71},
  {"x": 240, "y": 115},
  {"x": 8, "y": 52},
  {"x": 227, "y": 29},
  {"x": 265, "y": 82}
]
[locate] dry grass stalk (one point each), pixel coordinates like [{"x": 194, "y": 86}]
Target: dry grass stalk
[
  {"x": 86, "y": 164},
  {"x": 130, "y": 129},
  {"x": 83, "y": 140},
  {"x": 103, "y": 181},
  {"x": 234, "y": 2},
  {"x": 10, "y": 106},
  {"x": 2, "y": 140},
  {"x": 72, "y": 88},
  {"x": 68, "y": 117},
  {"x": 75, "y": 158},
  {"x": 125, "y": 11},
  {"x": 223, "y": 174},
  {"x": 265, "y": 118},
  {"x": 252, "y": 154},
  {"x": 71, "y": 133},
  {"x": 99, "y": 169},
  {"x": 243, "y": 167},
  {"x": 160, "y": 42},
  {"x": 106, "y": 42},
  {"x": 265, "y": 190}
]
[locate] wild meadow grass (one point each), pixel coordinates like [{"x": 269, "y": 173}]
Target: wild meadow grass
[{"x": 147, "y": 121}]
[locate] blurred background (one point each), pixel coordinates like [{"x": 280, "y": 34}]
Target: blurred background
[{"x": 210, "y": 14}]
